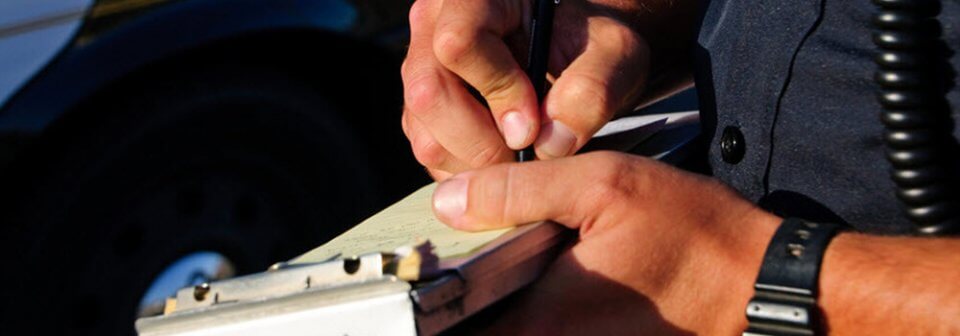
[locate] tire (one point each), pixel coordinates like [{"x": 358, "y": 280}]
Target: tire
[{"x": 237, "y": 159}]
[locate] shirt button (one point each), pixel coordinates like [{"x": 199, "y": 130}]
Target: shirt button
[{"x": 732, "y": 145}]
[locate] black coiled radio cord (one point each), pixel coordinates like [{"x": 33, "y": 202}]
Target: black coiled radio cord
[{"x": 916, "y": 114}]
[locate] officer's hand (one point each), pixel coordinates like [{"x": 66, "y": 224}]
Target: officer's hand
[
  {"x": 600, "y": 64},
  {"x": 659, "y": 251}
]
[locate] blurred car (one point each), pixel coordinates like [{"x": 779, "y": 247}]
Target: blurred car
[{"x": 147, "y": 145}]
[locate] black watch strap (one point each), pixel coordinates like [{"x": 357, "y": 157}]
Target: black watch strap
[{"x": 784, "y": 302}]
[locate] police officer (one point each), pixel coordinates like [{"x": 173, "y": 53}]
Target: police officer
[{"x": 795, "y": 226}]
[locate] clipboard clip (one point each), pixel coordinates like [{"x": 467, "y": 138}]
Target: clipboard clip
[{"x": 361, "y": 295}]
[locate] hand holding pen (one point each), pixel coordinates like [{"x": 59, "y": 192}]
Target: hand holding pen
[{"x": 598, "y": 64}]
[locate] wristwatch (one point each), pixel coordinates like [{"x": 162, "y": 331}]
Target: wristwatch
[{"x": 784, "y": 301}]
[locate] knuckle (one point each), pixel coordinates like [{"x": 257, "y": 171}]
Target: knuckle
[
  {"x": 499, "y": 87},
  {"x": 405, "y": 68},
  {"x": 615, "y": 178},
  {"x": 509, "y": 204},
  {"x": 419, "y": 12},
  {"x": 485, "y": 155},
  {"x": 404, "y": 123},
  {"x": 422, "y": 92},
  {"x": 620, "y": 38},
  {"x": 429, "y": 153},
  {"x": 452, "y": 43}
]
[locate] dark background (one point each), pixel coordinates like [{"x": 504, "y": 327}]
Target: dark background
[{"x": 255, "y": 129}]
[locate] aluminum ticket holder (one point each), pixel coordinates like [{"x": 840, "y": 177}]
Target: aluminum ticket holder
[{"x": 362, "y": 295}]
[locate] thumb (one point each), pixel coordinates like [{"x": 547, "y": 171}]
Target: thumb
[
  {"x": 606, "y": 78},
  {"x": 571, "y": 191}
]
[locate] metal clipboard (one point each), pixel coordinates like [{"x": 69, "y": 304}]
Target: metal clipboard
[{"x": 356, "y": 297}]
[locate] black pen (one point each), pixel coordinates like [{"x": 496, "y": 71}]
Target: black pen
[{"x": 538, "y": 56}]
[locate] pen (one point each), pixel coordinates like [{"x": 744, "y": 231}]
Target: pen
[{"x": 538, "y": 56}]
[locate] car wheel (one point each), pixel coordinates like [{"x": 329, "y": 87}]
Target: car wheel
[{"x": 224, "y": 170}]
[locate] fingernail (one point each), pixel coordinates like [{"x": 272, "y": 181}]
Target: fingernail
[
  {"x": 516, "y": 129},
  {"x": 556, "y": 140},
  {"x": 450, "y": 199}
]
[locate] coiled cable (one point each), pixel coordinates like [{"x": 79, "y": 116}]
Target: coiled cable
[{"x": 916, "y": 114}]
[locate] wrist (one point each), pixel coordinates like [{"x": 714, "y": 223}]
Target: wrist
[
  {"x": 739, "y": 254},
  {"x": 831, "y": 278}
]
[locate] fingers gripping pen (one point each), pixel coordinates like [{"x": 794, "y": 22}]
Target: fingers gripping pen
[{"x": 538, "y": 56}]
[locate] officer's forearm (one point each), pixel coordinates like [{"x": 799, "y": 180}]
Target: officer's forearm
[{"x": 873, "y": 285}]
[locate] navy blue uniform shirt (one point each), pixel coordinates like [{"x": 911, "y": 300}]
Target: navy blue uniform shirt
[{"x": 795, "y": 77}]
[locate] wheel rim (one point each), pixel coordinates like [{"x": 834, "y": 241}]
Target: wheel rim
[{"x": 193, "y": 269}]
